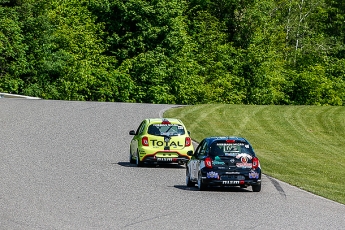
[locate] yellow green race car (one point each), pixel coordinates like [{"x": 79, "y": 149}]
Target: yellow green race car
[{"x": 160, "y": 140}]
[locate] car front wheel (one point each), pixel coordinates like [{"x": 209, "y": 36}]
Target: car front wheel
[
  {"x": 139, "y": 163},
  {"x": 189, "y": 183},
  {"x": 131, "y": 159}
]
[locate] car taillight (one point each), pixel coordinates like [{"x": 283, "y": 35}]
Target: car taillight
[
  {"x": 230, "y": 141},
  {"x": 208, "y": 162},
  {"x": 255, "y": 163},
  {"x": 188, "y": 141},
  {"x": 145, "y": 141}
]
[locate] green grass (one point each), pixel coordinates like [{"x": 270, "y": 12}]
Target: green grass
[{"x": 301, "y": 145}]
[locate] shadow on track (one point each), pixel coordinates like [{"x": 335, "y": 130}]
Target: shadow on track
[
  {"x": 213, "y": 189},
  {"x": 127, "y": 164}
]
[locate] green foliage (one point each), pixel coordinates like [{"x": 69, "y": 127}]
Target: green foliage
[
  {"x": 313, "y": 87},
  {"x": 13, "y": 61},
  {"x": 180, "y": 52},
  {"x": 233, "y": 14}
]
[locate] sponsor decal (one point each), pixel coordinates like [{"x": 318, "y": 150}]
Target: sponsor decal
[
  {"x": 232, "y": 148},
  {"x": 244, "y": 155},
  {"x": 161, "y": 143},
  {"x": 232, "y": 154},
  {"x": 218, "y": 163},
  {"x": 232, "y": 172},
  {"x": 253, "y": 175},
  {"x": 166, "y": 139},
  {"x": 244, "y": 159},
  {"x": 244, "y": 165},
  {"x": 232, "y": 160},
  {"x": 231, "y": 182},
  {"x": 212, "y": 175},
  {"x": 166, "y": 125},
  {"x": 230, "y": 144},
  {"x": 166, "y": 159},
  {"x": 217, "y": 158}
]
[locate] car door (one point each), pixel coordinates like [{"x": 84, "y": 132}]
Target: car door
[
  {"x": 137, "y": 138},
  {"x": 196, "y": 158},
  {"x": 201, "y": 156},
  {"x": 192, "y": 162}
]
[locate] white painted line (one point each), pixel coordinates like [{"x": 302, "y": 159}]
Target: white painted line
[{"x": 8, "y": 95}]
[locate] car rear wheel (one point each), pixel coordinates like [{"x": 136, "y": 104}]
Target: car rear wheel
[
  {"x": 201, "y": 185},
  {"x": 256, "y": 188},
  {"x": 189, "y": 183},
  {"x": 139, "y": 163}
]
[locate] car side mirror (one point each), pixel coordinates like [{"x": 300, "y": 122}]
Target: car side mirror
[
  {"x": 132, "y": 132},
  {"x": 190, "y": 153},
  {"x": 188, "y": 132}
]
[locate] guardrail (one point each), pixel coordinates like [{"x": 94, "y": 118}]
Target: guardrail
[{"x": 9, "y": 95}]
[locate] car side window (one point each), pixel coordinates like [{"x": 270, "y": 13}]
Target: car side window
[
  {"x": 141, "y": 128},
  {"x": 203, "y": 150},
  {"x": 197, "y": 150}
]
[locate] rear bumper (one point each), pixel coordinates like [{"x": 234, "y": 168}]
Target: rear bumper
[
  {"x": 165, "y": 160},
  {"x": 226, "y": 183},
  {"x": 243, "y": 178}
]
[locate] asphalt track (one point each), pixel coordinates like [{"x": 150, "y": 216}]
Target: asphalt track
[{"x": 64, "y": 165}]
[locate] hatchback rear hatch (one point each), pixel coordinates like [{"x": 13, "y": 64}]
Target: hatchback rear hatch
[
  {"x": 233, "y": 156},
  {"x": 167, "y": 136}
]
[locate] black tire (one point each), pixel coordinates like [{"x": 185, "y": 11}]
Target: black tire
[
  {"x": 256, "y": 188},
  {"x": 137, "y": 161},
  {"x": 201, "y": 185},
  {"x": 131, "y": 159},
  {"x": 189, "y": 183}
]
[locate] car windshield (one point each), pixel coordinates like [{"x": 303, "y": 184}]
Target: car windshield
[
  {"x": 230, "y": 149},
  {"x": 166, "y": 130}
]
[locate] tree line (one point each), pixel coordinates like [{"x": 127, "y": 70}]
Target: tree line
[{"x": 283, "y": 52}]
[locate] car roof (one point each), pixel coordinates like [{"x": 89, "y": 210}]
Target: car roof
[
  {"x": 223, "y": 138},
  {"x": 160, "y": 120}
]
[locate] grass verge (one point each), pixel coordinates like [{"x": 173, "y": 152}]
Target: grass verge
[{"x": 301, "y": 145}]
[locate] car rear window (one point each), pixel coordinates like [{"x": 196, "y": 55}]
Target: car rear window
[
  {"x": 230, "y": 149},
  {"x": 166, "y": 129}
]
